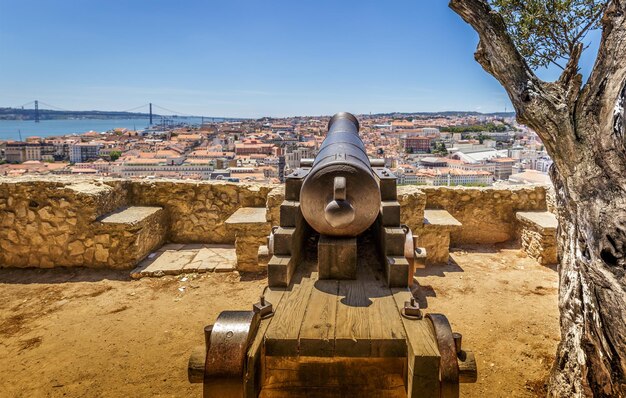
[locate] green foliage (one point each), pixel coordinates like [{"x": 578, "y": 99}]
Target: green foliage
[
  {"x": 477, "y": 128},
  {"x": 114, "y": 155},
  {"x": 547, "y": 31},
  {"x": 440, "y": 149}
]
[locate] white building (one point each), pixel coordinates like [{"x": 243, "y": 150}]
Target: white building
[
  {"x": 293, "y": 158},
  {"x": 100, "y": 165},
  {"x": 152, "y": 167},
  {"x": 84, "y": 151}
]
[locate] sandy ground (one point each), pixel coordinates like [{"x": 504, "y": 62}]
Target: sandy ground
[{"x": 86, "y": 333}]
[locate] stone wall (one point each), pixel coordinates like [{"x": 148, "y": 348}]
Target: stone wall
[
  {"x": 487, "y": 214},
  {"x": 55, "y": 221},
  {"x": 46, "y": 223},
  {"x": 198, "y": 210}
]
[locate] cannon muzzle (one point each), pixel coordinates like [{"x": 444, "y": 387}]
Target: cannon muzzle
[{"x": 340, "y": 195}]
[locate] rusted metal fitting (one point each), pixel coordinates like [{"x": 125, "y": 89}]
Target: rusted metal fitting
[
  {"x": 263, "y": 308},
  {"x": 207, "y": 336},
  {"x": 458, "y": 337},
  {"x": 412, "y": 309}
]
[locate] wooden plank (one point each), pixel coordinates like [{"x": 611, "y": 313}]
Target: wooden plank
[
  {"x": 422, "y": 352},
  {"x": 352, "y": 336},
  {"x": 252, "y": 372},
  {"x": 317, "y": 334},
  {"x": 360, "y": 376},
  {"x": 387, "y": 337},
  {"x": 282, "y": 335}
]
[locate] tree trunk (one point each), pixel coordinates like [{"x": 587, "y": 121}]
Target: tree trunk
[
  {"x": 592, "y": 241},
  {"x": 583, "y": 130}
]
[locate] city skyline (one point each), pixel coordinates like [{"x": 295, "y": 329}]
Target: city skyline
[{"x": 246, "y": 59}]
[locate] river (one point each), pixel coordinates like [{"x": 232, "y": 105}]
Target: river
[{"x": 11, "y": 129}]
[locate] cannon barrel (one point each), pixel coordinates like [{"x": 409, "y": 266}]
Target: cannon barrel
[{"x": 340, "y": 195}]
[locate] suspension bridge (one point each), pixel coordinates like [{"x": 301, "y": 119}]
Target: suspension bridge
[{"x": 146, "y": 108}]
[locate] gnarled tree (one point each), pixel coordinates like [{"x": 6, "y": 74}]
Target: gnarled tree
[{"x": 583, "y": 129}]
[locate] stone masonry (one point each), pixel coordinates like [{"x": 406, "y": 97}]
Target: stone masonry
[
  {"x": 53, "y": 221},
  {"x": 537, "y": 234}
]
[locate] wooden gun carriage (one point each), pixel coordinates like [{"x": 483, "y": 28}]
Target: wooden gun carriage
[{"x": 338, "y": 317}]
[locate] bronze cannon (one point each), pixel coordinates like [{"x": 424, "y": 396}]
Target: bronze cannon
[{"x": 338, "y": 317}]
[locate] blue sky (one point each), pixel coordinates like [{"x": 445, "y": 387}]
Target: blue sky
[{"x": 245, "y": 58}]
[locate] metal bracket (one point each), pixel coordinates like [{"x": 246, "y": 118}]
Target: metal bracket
[
  {"x": 412, "y": 310},
  {"x": 448, "y": 346},
  {"x": 263, "y": 308}
]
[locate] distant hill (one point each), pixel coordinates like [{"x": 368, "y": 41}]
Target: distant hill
[
  {"x": 444, "y": 114},
  {"x": 47, "y": 114}
]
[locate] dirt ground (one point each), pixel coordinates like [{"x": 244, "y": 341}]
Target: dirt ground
[{"x": 89, "y": 333}]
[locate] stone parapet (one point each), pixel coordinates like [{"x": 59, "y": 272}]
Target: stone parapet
[
  {"x": 198, "y": 210},
  {"x": 487, "y": 214},
  {"x": 52, "y": 221},
  {"x": 46, "y": 223}
]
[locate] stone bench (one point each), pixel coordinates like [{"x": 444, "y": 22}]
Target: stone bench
[
  {"x": 251, "y": 230},
  {"x": 126, "y": 236},
  {"x": 435, "y": 235},
  {"x": 537, "y": 234}
]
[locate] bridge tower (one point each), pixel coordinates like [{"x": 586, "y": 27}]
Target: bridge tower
[
  {"x": 36, "y": 111},
  {"x": 151, "y": 114}
]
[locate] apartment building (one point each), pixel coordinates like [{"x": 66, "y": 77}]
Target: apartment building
[{"x": 84, "y": 151}]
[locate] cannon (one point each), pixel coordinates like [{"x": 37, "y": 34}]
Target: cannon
[
  {"x": 338, "y": 317},
  {"x": 340, "y": 195}
]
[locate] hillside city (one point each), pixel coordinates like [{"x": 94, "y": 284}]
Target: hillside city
[{"x": 447, "y": 149}]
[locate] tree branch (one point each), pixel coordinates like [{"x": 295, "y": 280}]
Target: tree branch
[
  {"x": 604, "y": 88},
  {"x": 581, "y": 34},
  {"x": 611, "y": 54},
  {"x": 539, "y": 105},
  {"x": 570, "y": 79},
  {"x": 496, "y": 52}
]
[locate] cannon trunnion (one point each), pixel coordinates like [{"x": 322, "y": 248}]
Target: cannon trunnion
[{"x": 338, "y": 317}]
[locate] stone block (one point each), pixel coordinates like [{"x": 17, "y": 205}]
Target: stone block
[
  {"x": 437, "y": 244},
  {"x": 249, "y": 221},
  {"x": 337, "y": 257},
  {"x": 293, "y": 184},
  {"x": 169, "y": 263},
  {"x": 275, "y": 198},
  {"x": 387, "y": 183},
  {"x": 251, "y": 229},
  {"x": 247, "y": 250},
  {"x": 393, "y": 241},
  {"x": 289, "y": 213},
  {"x": 435, "y": 235},
  {"x": 283, "y": 241},
  {"x": 263, "y": 256},
  {"x": 280, "y": 271},
  {"x": 537, "y": 235},
  {"x": 441, "y": 219},
  {"x": 128, "y": 235},
  {"x": 390, "y": 212},
  {"x": 397, "y": 271}
]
